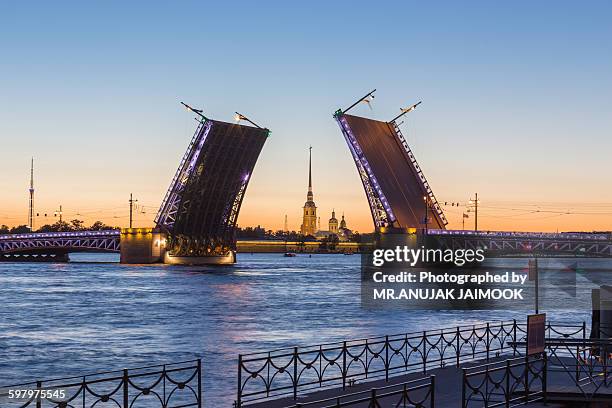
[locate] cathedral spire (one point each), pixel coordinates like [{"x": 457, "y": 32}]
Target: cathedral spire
[
  {"x": 310, "y": 168},
  {"x": 309, "y": 196}
]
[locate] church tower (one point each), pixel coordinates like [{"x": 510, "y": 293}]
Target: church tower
[
  {"x": 333, "y": 223},
  {"x": 309, "y": 220}
]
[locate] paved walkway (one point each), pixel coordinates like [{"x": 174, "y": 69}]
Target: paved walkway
[{"x": 448, "y": 390}]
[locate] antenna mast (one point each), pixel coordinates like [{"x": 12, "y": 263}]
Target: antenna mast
[{"x": 31, "y": 207}]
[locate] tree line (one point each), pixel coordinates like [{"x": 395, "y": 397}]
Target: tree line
[{"x": 59, "y": 226}]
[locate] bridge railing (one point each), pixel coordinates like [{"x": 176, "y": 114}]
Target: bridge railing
[
  {"x": 67, "y": 234},
  {"x": 517, "y": 234},
  {"x": 163, "y": 386},
  {"x": 291, "y": 371}
]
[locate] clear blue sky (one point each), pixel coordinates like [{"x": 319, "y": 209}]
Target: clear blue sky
[{"x": 516, "y": 98}]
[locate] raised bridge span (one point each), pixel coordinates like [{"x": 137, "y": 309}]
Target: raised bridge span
[{"x": 196, "y": 222}]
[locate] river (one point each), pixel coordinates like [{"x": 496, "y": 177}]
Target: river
[{"x": 95, "y": 314}]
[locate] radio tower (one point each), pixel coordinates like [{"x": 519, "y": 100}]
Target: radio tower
[{"x": 31, "y": 210}]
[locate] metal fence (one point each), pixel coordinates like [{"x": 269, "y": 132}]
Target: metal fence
[
  {"x": 165, "y": 386},
  {"x": 418, "y": 393},
  {"x": 286, "y": 372},
  {"x": 509, "y": 383}
]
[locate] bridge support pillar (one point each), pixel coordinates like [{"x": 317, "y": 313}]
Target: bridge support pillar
[{"x": 142, "y": 246}]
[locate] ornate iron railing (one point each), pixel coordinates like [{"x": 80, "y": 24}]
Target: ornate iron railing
[
  {"x": 418, "y": 393},
  {"x": 165, "y": 386},
  {"x": 512, "y": 382},
  {"x": 584, "y": 364},
  {"x": 292, "y": 371}
]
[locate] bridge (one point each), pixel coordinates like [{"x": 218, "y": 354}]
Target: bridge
[
  {"x": 55, "y": 246},
  {"x": 196, "y": 221},
  {"x": 402, "y": 201}
]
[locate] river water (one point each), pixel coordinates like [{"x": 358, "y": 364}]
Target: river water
[{"x": 95, "y": 314}]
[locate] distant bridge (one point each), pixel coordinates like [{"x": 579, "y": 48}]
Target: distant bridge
[
  {"x": 524, "y": 244},
  {"x": 56, "y": 245}
]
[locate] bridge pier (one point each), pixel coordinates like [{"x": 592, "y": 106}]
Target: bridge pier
[{"x": 142, "y": 246}]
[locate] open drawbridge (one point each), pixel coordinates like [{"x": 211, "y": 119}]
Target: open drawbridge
[{"x": 396, "y": 188}]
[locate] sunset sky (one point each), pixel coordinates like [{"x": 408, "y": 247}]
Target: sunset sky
[{"x": 516, "y": 104}]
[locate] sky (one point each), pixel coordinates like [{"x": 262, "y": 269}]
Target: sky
[{"x": 516, "y": 104}]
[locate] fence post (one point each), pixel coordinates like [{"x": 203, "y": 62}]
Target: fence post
[
  {"x": 463, "y": 385},
  {"x": 199, "y": 382},
  {"x": 373, "y": 397},
  {"x": 545, "y": 378},
  {"x": 424, "y": 351},
  {"x": 458, "y": 346},
  {"x": 432, "y": 387},
  {"x": 508, "y": 395},
  {"x": 38, "y": 388},
  {"x": 488, "y": 340},
  {"x": 239, "y": 396},
  {"x": 584, "y": 330},
  {"x": 527, "y": 378},
  {"x": 126, "y": 403},
  {"x": 295, "y": 371},
  {"x": 344, "y": 373},
  {"x": 387, "y": 358},
  {"x": 514, "y": 340}
]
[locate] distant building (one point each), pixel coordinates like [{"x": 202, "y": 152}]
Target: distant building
[
  {"x": 309, "y": 220},
  {"x": 333, "y": 223},
  {"x": 336, "y": 229}
]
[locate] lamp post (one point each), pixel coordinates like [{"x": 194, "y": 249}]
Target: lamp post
[
  {"x": 474, "y": 203},
  {"x": 131, "y": 201}
]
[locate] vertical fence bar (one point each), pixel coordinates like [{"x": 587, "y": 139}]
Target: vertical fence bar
[
  {"x": 463, "y": 385},
  {"x": 239, "y": 395},
  {"x": 84, "y": 388},
  {"x": 507, "y": 394},
  {"x": 488, "y": 341},
  {"x": 387, "y": 358},
  {"x": 527, "y": 378},
  {"x": 458, "y": 346},
  {"x": 126, "y": 403},
  {"x": 514, "y": 340},
  {"x": 295, "y": 372},
  {"x": 424, "y": 352},
  {"x": 432, "y": 386},
  {"x": 545, "y": 379},
  {"x": 344, "y": 370},
  {"x": 199, "y": 382},
  {"x": 164, "y": 381}
]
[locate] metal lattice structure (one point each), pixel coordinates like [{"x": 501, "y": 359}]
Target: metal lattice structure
[
  {"x": 200, "y": 209},
  {"x": 62, "y": 242},
  {"x": 393, "y": 181},
  {"x": 513, "y": 244}
]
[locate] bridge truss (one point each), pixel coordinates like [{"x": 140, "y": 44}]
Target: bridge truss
[
  {"x": 525, "y": 244},
  {"x": 61, "y": 242},
  {"x": 200, "y": 209},
  {"x": 398, "y": 193}
]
